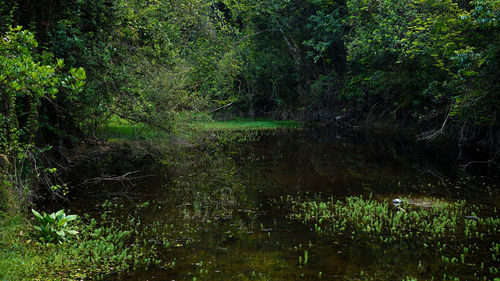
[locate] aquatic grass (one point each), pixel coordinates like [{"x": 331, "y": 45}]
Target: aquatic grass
[
  {"x": 458, "y": 234},
  {"x": 382, "y": 220}
]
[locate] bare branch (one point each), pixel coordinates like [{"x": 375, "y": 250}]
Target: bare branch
[
  {"x": 127, "y": 177},
  {"x": 429, "y": 136},
  {"x": 490, "y": 161}
]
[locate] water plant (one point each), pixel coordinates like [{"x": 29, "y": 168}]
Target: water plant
[
  {"x": 52, "y": 228},
  {"x": 454, "y": 233},
  {"x": 381, "y": 221},
  {"x": 106, "y": 245}
]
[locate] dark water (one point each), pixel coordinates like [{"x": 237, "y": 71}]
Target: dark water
[{"x": 219, "y": 201}]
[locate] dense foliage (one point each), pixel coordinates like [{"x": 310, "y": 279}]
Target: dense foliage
[
  {"x": 378, "y": 60},
  {"x": 26, "y": 82}
]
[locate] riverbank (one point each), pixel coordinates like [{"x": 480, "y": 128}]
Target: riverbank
[
  {"x": 120, "y": 128},
  {"x": 104, "y": 246}
]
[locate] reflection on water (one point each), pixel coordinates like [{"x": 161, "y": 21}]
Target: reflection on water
[{"x": 215, "y": 200}]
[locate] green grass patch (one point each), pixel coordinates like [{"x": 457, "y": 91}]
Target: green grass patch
[
  {"x": 244, "y": 124},
  {"x": 119, "y": 128}
]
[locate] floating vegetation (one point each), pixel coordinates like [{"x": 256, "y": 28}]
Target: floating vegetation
[{"x": 457, "y": 236}]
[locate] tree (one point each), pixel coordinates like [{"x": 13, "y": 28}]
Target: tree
[{"x": 24, "y": 82}]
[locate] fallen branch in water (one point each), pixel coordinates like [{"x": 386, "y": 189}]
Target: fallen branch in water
[{"x": 123, "y": 178}]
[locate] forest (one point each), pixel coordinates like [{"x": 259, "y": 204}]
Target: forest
[{"x": 213, "y": 80}]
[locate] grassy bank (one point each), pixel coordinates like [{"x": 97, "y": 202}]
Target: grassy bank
[
  {"x": 117, "y": 127},
  {"x": 106, "y": 245},
  {"x": 120, "y": 128},
  {"x": 245, "y": 124}
]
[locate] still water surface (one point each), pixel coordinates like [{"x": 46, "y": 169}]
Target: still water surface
[{"x": 221, "y": 203}]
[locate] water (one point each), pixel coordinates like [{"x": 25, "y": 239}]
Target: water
[{"x": 221, "y": 203}]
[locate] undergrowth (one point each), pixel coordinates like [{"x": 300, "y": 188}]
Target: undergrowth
[{"x": 106, "y": 246}]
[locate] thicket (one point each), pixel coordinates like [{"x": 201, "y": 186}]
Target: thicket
[
  {"x": 426, "y": 63},
  {"x": 26, "y": 81}
]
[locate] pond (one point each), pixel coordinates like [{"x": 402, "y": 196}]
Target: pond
[{"x": 231, "y": 206}]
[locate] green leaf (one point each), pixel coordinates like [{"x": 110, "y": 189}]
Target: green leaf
[
  {"x": 60, "y": 212},
  {"x": 62, "y": 222},
  {"x": 71, "y": 217},
  {"x": 37, "y": 214},
  {"x": 72, "y": 232}
]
